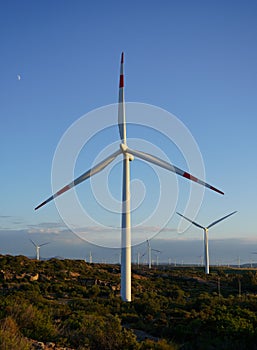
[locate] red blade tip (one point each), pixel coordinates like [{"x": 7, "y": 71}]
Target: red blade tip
[
  {"x": 122, "y": 57},
  {"x": 215, "y": 189}
]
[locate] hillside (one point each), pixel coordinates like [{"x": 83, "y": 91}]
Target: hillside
[{"x": 70, "y": 304}]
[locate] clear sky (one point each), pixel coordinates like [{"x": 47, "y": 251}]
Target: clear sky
[{"x": 60, "y": 60}]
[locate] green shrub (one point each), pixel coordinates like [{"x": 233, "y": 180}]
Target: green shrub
[{"x": 10, "y": 336}]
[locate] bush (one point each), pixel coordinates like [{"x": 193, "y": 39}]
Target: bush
[
  {"x": 33, "y": 323},
  {"x": 160, "y": 345},
  {"x": 10, "y": 336},
  {"x": 98, "y": 332}
]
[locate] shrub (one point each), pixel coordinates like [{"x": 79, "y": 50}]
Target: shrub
[{"x": 10, "y": 336}]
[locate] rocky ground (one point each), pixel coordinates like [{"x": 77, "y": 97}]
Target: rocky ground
[{"x": 38, "y": 345}]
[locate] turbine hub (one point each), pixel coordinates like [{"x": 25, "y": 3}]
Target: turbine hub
[{"x": 124, "y": 149}]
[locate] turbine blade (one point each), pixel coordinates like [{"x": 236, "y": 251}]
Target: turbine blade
[
  {"x": 34, "y": 244},
  {"x": 224, "y": 217},
  {"x": 41, "y": 245},
  {"x": 96, "y": 169},
  {"x": 193, "y": 222},
  {"x": 155, "y": 160},
  {"x": 156, "y": 250},
  {"x": 121, "y": 107}
]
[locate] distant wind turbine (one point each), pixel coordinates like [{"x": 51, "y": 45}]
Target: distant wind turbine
[
  {"x": 205, "y": 229},
  {"x": 157, "y": 260},
  {"x": 149, "y": 253},
  {"x": 128, "y": 155},
  {"x": 138, "y": 259},
  {"x": 38, "y": 246},
  {"x": 150, "y": 249}
]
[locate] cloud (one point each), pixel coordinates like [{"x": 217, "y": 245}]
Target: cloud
[
  {"x": 111, "y": 236},
  {"x": 8, "y": 222},
  {"x": 154, "y": 229},
  {"x": 68, "y": 245},
  {"x": 47, "y": 227}
]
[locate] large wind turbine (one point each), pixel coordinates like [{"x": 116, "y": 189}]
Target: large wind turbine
[
  {"x": 205, "y": 229},
  {"x": 38, "y": 246},
  {"x": 128, "y": 155}
]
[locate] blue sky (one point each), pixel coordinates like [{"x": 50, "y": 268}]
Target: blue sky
[{"x": 196, "y": 60}]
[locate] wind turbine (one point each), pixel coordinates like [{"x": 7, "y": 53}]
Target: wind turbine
[
  {"x": 128, "y": 155},
  {"x": 157, "y": 260},
  {"x": 149, "y": 250},
  {"x": 149, "y": 253},
  {"x": 205, "y": 229},
  {"x": 251, "y": 259},
  {"x": 38, "y": 246},
  {"x": 138, "y": 259}
]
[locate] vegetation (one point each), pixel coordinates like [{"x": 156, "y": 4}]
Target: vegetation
[{"x": 77, "y": 305}]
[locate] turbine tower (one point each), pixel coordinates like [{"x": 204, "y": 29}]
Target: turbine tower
[
  {"x": 149, "y": 252},
  {"x": 38, "y": 246},
  {"x": 128, "y": 155},
  {"x": 205, "y": 229},
  {"x": 138, "y": 259}
]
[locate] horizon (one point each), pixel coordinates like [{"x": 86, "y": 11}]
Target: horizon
[{"x": 177, "y": 250}]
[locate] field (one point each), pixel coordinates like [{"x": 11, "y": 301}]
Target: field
[{"x": 75, "y": 305}]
